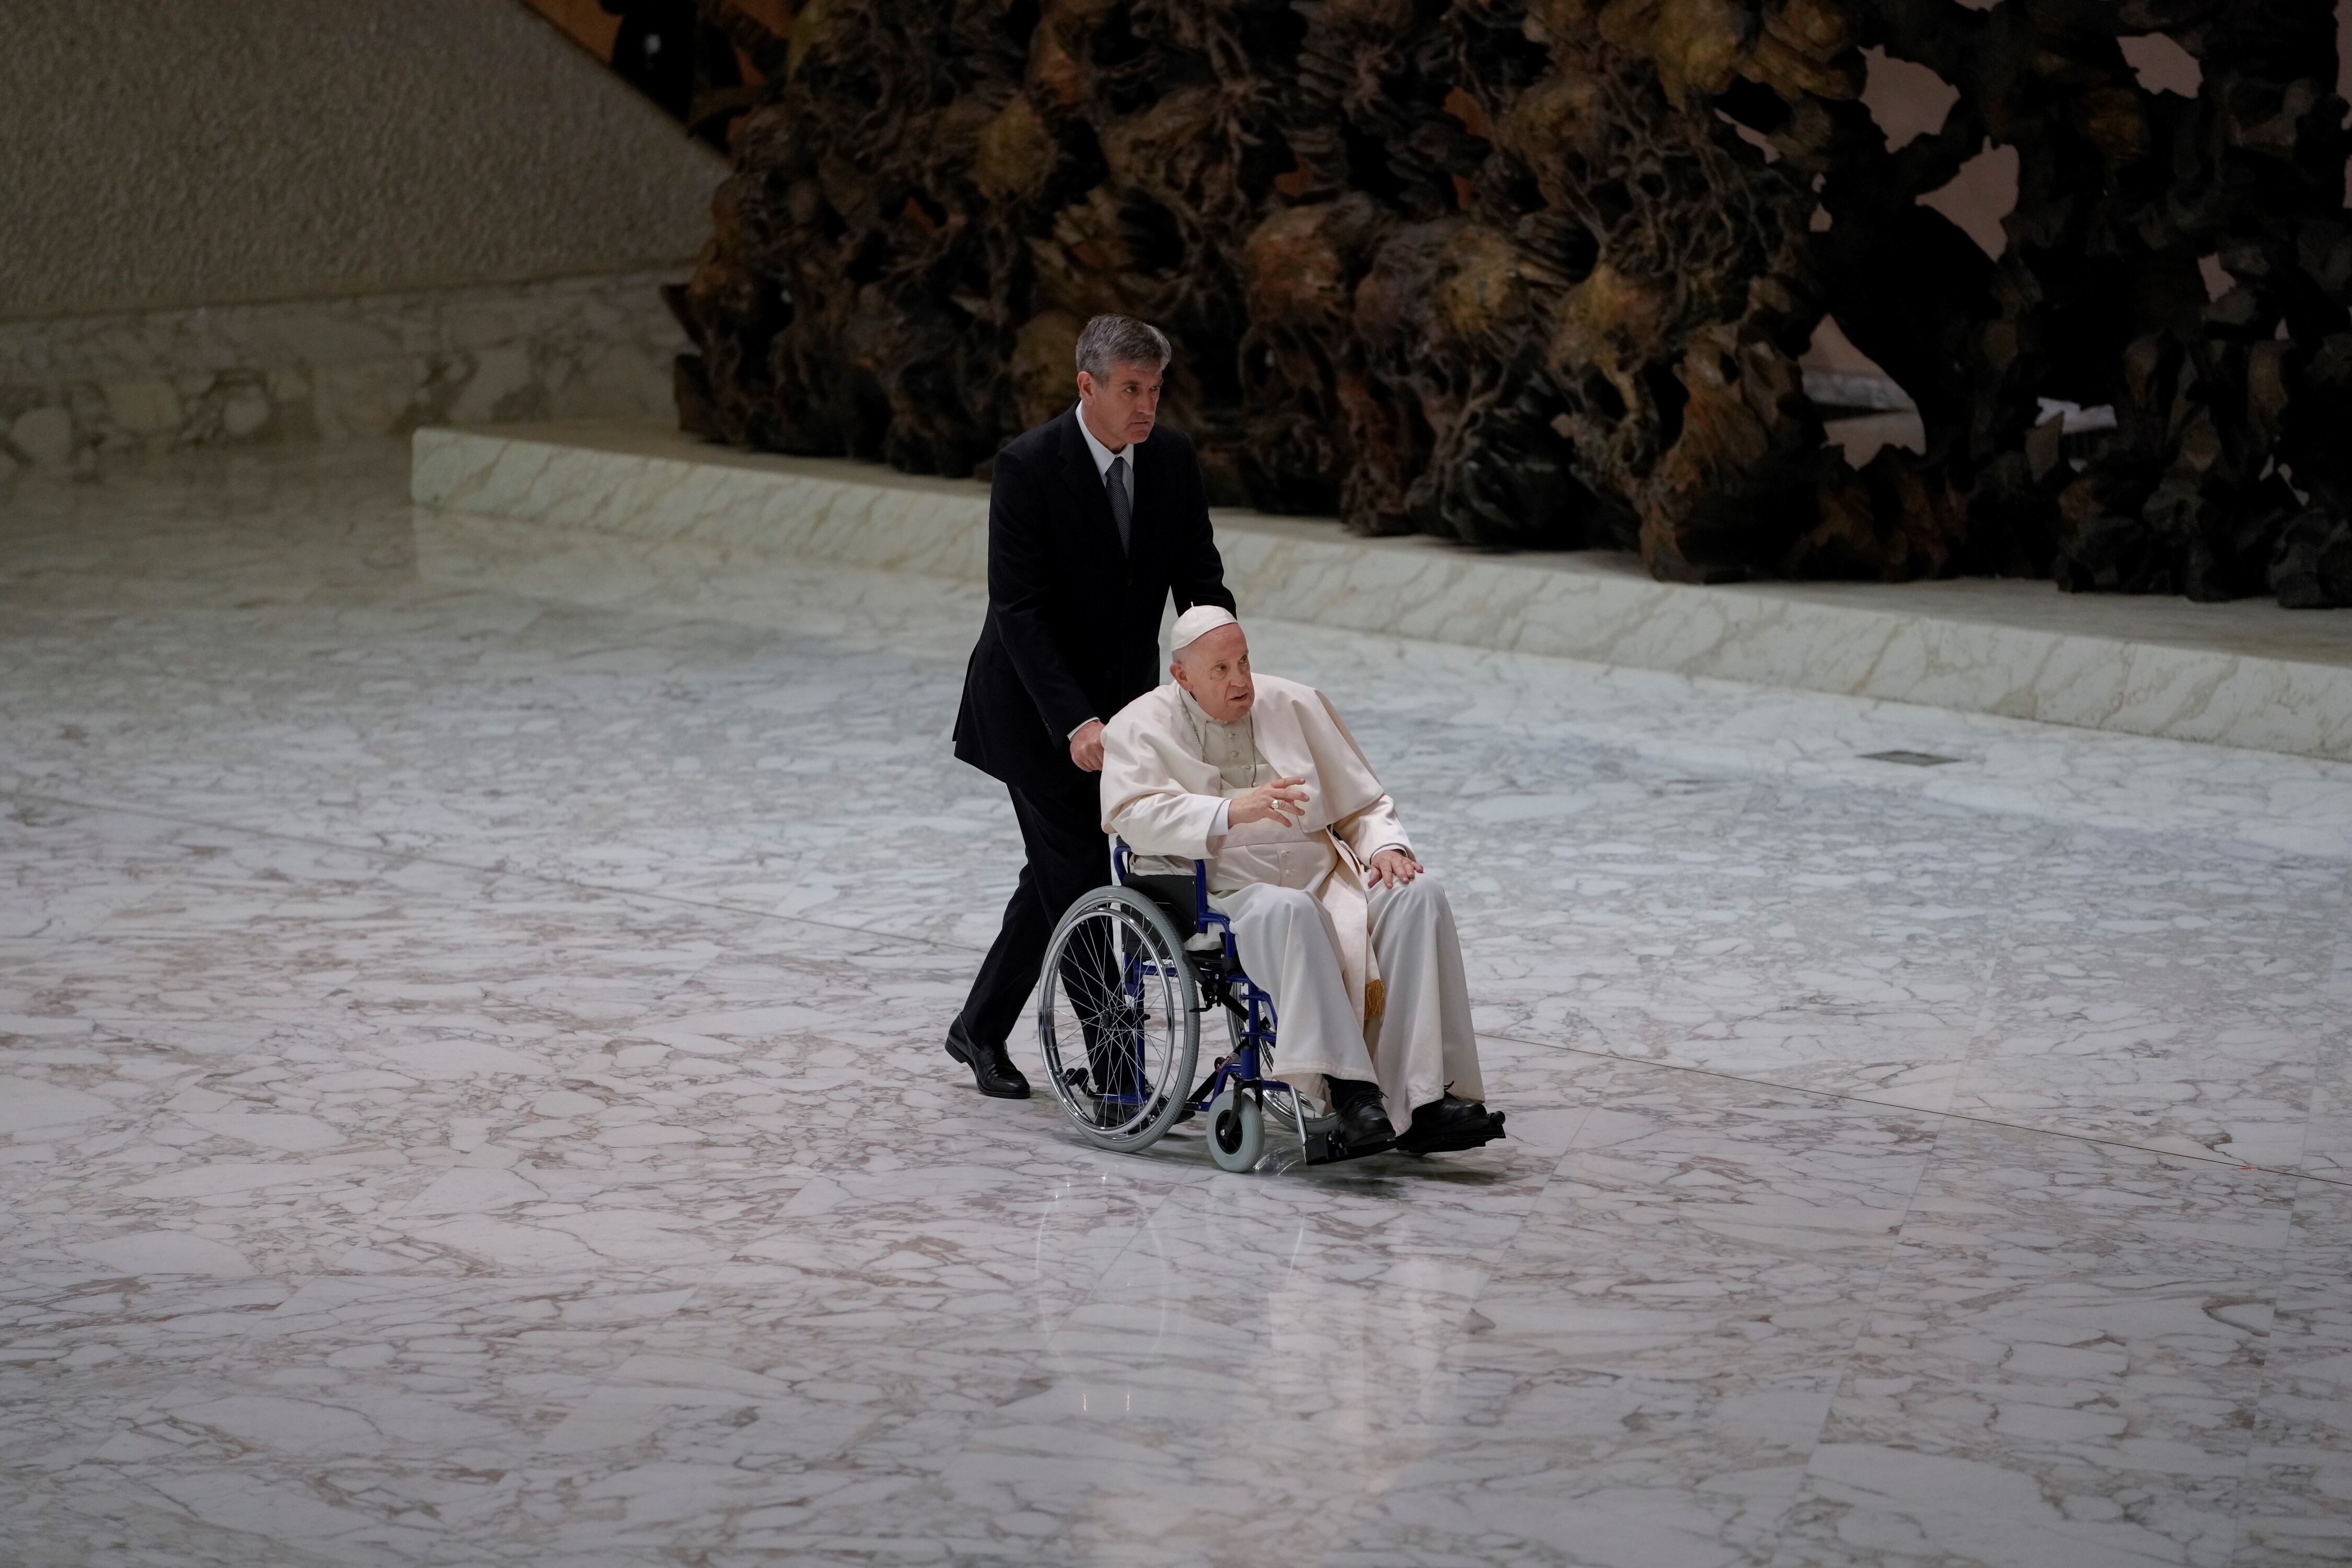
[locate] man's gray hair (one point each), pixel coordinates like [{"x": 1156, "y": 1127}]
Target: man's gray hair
[{"x": 1108, "y": 341}]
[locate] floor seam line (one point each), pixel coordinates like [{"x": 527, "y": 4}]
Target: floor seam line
[
  {"x": 415, "y": 858},
  {"x": 409, "y": 856},
  {"x": 1916, "y": 1110}
]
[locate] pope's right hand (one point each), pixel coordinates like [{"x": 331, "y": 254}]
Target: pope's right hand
[{"x": 1283, "y": 800}]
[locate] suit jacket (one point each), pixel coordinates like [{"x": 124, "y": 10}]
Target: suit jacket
[{"x": 1073, "y": 627}]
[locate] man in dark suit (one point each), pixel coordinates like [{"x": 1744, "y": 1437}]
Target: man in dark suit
[{"x": 1094, "y": 519}]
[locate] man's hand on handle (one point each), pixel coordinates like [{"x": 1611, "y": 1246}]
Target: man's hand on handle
[
  {"x": 1085, "y": 745},
  {"x": 1283, "y": 800},
  {"x": 1393, "y": 868}
]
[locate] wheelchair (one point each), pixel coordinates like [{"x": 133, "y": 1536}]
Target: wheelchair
[{"x": 1128, "y": 972}]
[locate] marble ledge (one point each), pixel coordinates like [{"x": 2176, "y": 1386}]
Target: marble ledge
[
  {"x": 77, "y": 388},
  {"x": 2247, "y": 674}
]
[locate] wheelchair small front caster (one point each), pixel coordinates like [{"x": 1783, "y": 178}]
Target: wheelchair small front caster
[{"x": 1236, "y": 1129}]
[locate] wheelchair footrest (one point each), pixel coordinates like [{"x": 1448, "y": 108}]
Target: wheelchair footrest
[{"x": 1325, "y": 1149}]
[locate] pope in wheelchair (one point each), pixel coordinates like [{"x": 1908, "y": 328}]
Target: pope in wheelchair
[{"x": 1262, "y": 872}]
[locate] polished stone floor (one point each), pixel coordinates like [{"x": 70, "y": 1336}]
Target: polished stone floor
[{"x": 470, "y": 1093}]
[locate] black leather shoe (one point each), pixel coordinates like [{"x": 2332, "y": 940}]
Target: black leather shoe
[
  {"x": 992, "y": 1069},
  {"x": 1364, "y": 1126},
  {"x": 1449, "y": 1123}
]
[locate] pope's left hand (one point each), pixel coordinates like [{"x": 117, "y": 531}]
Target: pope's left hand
[{"x": 1393, "y": 868}]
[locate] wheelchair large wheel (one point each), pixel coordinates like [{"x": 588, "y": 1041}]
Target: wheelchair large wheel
[{"x": 1119, "y": 1018}]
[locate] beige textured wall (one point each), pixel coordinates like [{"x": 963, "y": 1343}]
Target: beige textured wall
[{"x": 162, "y": 153}]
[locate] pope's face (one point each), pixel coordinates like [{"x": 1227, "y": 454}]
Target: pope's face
[
  {"x": 1215, "y": 668},
  {"x": 1120, "y": 408}
]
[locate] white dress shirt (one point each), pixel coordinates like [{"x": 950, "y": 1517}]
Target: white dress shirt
[{"x": 1103, "y": 455}]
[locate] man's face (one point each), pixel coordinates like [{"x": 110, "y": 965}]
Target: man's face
[
  {"x": 1120, "y": 408},
  {"x": 1215, "y": 668}
]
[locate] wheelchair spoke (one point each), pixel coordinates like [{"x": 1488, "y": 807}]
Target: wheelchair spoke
[{"x": 1114, "y": 1022}]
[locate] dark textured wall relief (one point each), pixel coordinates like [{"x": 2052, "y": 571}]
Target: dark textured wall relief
[{"x": 1538, "y": 272}]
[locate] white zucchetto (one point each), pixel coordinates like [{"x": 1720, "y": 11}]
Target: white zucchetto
[{"x": 1197, "y": 622}]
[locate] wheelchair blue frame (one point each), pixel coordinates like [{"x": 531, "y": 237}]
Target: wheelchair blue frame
[{"x": 1236, "y": 992}]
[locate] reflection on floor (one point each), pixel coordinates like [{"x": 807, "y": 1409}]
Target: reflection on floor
[{"x": 472, "y": 1095}]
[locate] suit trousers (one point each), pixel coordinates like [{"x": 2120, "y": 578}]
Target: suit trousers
[{"x": 1069, "y": 855}]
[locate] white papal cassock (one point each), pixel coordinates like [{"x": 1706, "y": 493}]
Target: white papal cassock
[{"x": 1367, "y": 984}]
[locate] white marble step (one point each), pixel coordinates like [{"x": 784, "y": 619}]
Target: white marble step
[{"x": 2246, "y": 674}]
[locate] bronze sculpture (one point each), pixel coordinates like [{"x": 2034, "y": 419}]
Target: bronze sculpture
[{"x": 1539, "y": 272}]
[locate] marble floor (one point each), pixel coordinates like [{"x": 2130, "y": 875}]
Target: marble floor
[{"x": 470, "y": 1094}]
